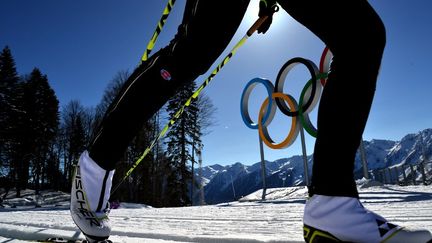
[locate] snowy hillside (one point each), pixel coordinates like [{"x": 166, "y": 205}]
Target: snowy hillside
[
  {"x": 279, "y": 219},
  {"x": 227, "y": 183}
]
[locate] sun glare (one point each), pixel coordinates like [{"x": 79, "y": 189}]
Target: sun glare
[
  {"x": 252, "y": 15},
  {"x": 252, "y": 12}
]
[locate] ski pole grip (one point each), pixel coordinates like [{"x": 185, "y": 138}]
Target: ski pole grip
[{"x": 256, "y": 25}]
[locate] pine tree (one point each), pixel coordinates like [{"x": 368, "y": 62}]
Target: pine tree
[
  {"x": 11, "y": 117},
  {"x": 159, "y": 165},
  {"x": 28, "y": 121},
  {"x": 42, "y": 117},
  {"x": 195, "y": 137},
  {"x": 181, "y": 139}
]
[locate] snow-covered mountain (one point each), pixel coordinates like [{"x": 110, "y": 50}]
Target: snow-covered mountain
[
  {"x": 411, "y": 149},
  {"x": 227, "y": 183}
]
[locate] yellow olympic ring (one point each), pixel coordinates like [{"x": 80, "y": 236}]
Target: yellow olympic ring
[{"x": 263, "y": 132}]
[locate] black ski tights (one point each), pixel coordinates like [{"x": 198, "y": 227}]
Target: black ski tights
[{"x": 356, "y": 36}]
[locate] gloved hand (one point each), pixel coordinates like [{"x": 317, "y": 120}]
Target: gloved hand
[{"x": 267, "y": 8}]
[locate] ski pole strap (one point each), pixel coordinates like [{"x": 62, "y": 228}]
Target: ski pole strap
[
  {"x": 159, "y": 27},
  {"x": 194, "y": 96}
]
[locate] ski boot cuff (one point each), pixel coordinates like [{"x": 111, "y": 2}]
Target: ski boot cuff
[{"x": 96, "y": 182}]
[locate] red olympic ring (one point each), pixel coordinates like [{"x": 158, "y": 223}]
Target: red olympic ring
[{"x": 324, "y": 66}]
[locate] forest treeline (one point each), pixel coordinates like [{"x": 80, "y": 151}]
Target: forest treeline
[{"x": 40, "y": 142}]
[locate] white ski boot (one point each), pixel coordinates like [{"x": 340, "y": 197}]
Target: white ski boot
[
  {"x": 344, "y": 219},
  {"x": 91, "y": 186}
]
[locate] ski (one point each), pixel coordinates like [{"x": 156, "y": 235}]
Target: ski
[{"x": 62, "y": 240}]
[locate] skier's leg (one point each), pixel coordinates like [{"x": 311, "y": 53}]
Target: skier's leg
[
  {"x": 206, "y": 30},
  {"x": 356, "y": 36}
]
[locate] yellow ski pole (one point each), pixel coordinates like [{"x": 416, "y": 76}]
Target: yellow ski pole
[{"x": 159, "y": 27}]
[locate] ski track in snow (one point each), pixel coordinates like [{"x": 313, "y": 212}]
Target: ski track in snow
[{"x": 277, "y": 220}]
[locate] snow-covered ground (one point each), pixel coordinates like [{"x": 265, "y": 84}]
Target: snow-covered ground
[{"x": 278, "y": 219}]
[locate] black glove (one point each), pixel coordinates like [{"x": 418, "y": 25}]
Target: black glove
[{"x": 267, "y": 8}]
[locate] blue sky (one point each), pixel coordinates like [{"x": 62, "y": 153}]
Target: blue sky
[{"x": 81, "y": 45}]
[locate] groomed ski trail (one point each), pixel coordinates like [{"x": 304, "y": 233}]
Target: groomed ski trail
[{"x": 277, "y": 220}]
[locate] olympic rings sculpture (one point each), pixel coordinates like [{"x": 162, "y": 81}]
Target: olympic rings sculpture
[{"x": 299, "y": 112}]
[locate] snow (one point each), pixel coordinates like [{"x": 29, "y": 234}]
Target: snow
[{"x": 278, "y": 219}]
